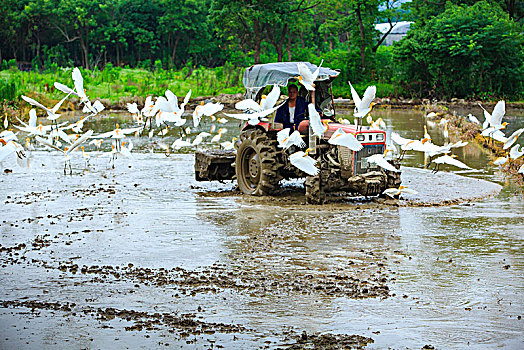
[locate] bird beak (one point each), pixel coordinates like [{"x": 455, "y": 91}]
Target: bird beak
[{"x": 307, "y": 151}]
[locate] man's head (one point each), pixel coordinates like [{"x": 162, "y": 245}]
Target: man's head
[{"x": 292, "y": 92}]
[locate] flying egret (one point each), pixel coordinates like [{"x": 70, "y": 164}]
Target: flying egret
[
  {"x": 363, "y": 107},
  {"x": 208, "y": 109},
  {"x": 450, "y": 160},
  {"x": 393, "y": 192},
  {"x": 473, "y": 119},
  {"x": 495, "y": 118},
  {"x": 286, "y": 140},
  {"x": 348, "y": 140},
  {"x": 380, "y": 160},
  {"x": 266, "y": 102},
  {"x": 67, "y": 150},
  {"x": 79, "y": 85},
  {"x": 511, "y": 140},
  {"x": 515, "y": 153},
  {"x": 51, "y": 112},
  {"x": 252, "y": 118},
  {"x": 302, "y": 161},
  {"x": 94, "y": 108},
  {"x": 318, "y": 126},
  {"x": 307, "y": 78}
]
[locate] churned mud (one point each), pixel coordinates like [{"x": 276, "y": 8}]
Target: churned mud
[{"x": 143, "y": 256}]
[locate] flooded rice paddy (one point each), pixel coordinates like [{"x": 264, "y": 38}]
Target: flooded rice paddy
[{"x": 143, "y": 256}]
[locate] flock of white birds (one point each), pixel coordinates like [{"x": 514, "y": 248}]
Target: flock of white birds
[{"x": 163, "y": 113}]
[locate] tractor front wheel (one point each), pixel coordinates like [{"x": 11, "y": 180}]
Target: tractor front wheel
[{"x": 257, "y": 164}]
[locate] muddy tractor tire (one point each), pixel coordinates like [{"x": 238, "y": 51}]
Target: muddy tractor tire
[
  {"x": 393, "y": 178},
  {"x": 314, "y": 191},
  {"x": 257, "y": 164}
]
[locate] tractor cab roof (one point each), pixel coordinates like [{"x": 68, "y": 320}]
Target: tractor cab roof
[{"x": 259, "y": 76}]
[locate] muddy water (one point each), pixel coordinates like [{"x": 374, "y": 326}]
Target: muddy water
[{"x": 142, "y": 256}]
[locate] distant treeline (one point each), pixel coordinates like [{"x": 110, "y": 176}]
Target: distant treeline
[{"x": 455, "y": 48}]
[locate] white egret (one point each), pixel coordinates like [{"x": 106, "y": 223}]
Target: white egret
[
  {"x": 179, "y": 143},
  {"x": 86, "y": 156},
  {"x": 473, "y": 119},
  {"x": 228, "y": 145},
  {"x": 495, "y": 118},
  {"x": 217, "y": 137},
  {"x": 10, "y": 147},
  {"x": 200, "y": 137},
  {"x": 79, "y": 85},
  {"x": 307, "y": 78},
  {"x": 6, "y": 122},
  {"x": 393, "y": 192},
  {"x": 348, "y": 140},
  {"x": 363, "y": 107},
  {"x": 252, "y": 118},
  {"x": 318, "y": 126},
  {"x": 286, "y": 140},
  {"x": 302, "y": 161},
  {"x": 51, "y": 112},
  {"x": 8, "y": 135},
  {"x": 208, "y": 109},
  {"x": 126, "y": 150},
  {"x": 450, "y": 160},
  {"x": 381, "y": 161},
  {"x": 343, "y": 121}
]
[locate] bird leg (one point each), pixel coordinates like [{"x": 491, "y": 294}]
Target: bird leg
[
  {"x": 435, "y": 169},
  {"x": 65, "y": 167}
]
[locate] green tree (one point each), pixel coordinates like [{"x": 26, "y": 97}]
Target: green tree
[{"x": 466, "y": 51}]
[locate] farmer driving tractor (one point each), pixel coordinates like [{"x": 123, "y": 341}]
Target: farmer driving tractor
[{"x": 294, "y": 110}]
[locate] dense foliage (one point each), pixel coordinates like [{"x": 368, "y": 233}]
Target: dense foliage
[
  {"x": 446, "y": 55},
  {"x": 467, "y": 51}
]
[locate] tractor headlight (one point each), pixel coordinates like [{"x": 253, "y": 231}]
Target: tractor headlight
[
  {"x": 380, "y": 137},
  {"x": 360, "y": 137}
]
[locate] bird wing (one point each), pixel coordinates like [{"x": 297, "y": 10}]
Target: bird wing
[
  {"x": 131, "y": 130},
  {"x": 379, "y": 160},
  {"x": 35, "y": 103},
  {"x": 211, "y": 108},
  {"x": 487, "y": 118},
  {"x": 499, "y": 136},
  {"x": 399, "y": 140},
  {"x": 296, "y": 139},
  {"x": 305, "y": 72},
  {"x": 79, "y": 141},
  {"x": 44, "y": 142},
  {"x": 315, "y": 122},
  {"x": 347, "y": 140},
  {"x": 248, "y": 104},
  {"x": 64, "y": 88},
  {"x": 317, "y": 71},
  {"x": 164, "y": 105},
  {"x": 498, "y": 113},
  {"x": 408, "y": 191},
  {"x": 132, "y": 107},
  {"x": 368, "y": 97},
  {"x": 252, "y": 116},
  {"x": 511, "y": 140},
  {"x": 452, "y": 161},
  {"x": 79, "y": 82},
  {"x": 57, "y": 106},
  {"x": 186, "y": 99},
  {"x": 32, "y": 118},
  {"x": 98, "y": 106},
  {"x": 392, "y": 192},
  {"x": 514, "y": 152},
  {"x": 8, "y": 149},
  {"x": 104, "y": 135},
  {"x": 356, "y": 97},
  {"x": 272, "y": 98},
  {"x": 304, "y": 163},
  {"x": 172, "y": 99}
]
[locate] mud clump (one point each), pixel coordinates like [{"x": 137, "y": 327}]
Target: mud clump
[{"x": 329, "y": 341}]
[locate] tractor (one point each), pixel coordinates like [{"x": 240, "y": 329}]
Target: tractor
[{"x": 259, "y": 165}]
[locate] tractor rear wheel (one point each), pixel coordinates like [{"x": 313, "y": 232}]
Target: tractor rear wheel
[{"x": 257, "y": 164}]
